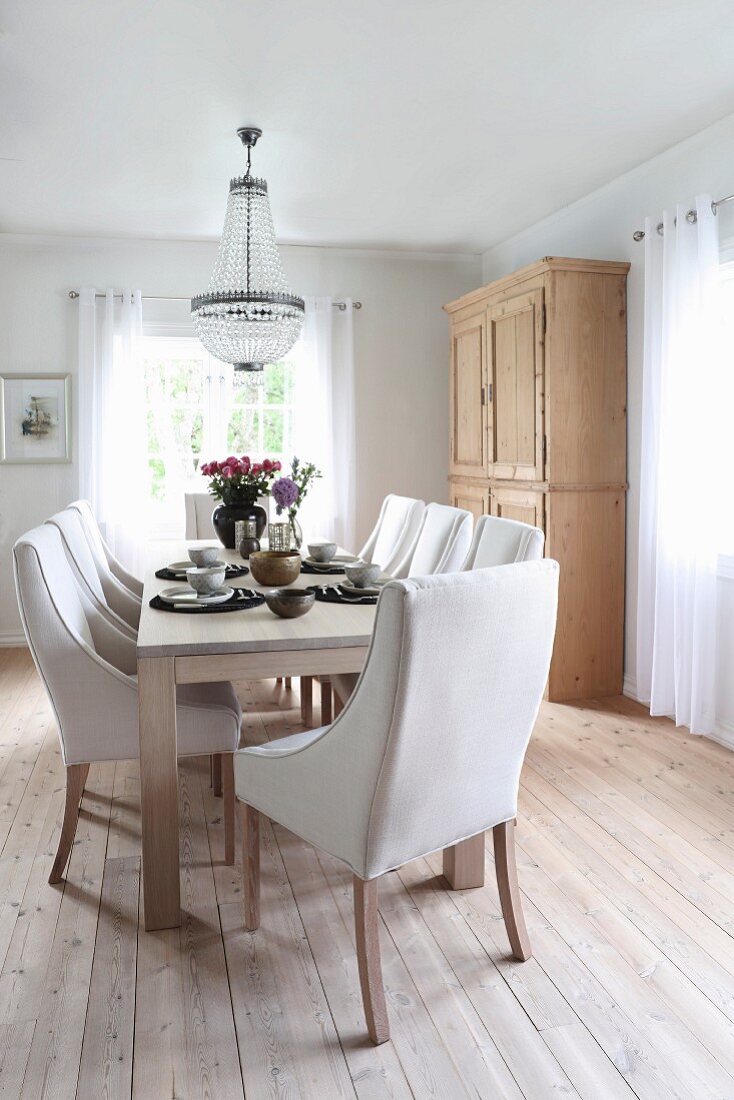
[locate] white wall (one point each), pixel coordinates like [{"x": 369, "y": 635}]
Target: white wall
[
  {"x": 600, "y": 226},
  {"x": 400, "y": 350}
]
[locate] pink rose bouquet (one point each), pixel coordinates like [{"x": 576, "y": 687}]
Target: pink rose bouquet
[{"x": 239, "y": 480}]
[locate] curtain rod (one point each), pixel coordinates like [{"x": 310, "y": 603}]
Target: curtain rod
[
  {"x": 691, "y": 216},
  {"x": 74, "y": 294}
]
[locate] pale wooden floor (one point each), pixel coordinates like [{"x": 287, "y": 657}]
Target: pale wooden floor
[{"x": 626, "y": 856}]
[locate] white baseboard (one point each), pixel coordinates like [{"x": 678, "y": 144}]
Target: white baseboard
[
  {"x": 724, "y": 734},
  {"x": 723, "y": 731},
  {"x": 12, "y": 638}
]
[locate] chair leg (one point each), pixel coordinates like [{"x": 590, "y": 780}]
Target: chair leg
[
  {"x": 504, "y": 860},
  {"x": 227, "y": 759},
  {"x": 250, "y": 820},
  {"x": 76, "y": 777},
  {"x": 307, "y": 700},
  {"x": 288, "y": 683},
  {"x": 366, "y": 922},
  {"x": 279, "y": 679},
  {"x": 463, "y": 863},
  {"x": 326, "y": 702},
  {"x": 217, "y": 773}
]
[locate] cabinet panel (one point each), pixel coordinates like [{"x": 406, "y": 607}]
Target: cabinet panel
[
  {"x": 515, "y": 370},
  {"x": 468, "y": 412},
  {"x": 525, "y": 505},
  {"x": 585, "y": 534},
  {"x": 474, "y": 498}
]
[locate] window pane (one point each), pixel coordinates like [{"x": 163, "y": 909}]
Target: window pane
[
  {"x": 243, "y": 432},
  {"x": 157, "y": 479},
  {"x": 278, "y": 384},
  {"x": 273, "y": 434}
]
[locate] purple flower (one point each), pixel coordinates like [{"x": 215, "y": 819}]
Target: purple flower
[{"x": 285, "y": 493}]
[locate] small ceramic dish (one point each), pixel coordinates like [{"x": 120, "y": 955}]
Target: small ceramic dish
[
  {"x": 289, "y": 603},
  {"x": 186, "y": 597},
  {"x": 180, "y": 568},
  {"x": 206, "y": 579},
  {"x": 348, "y": 588},
  {"x": 362, "y": 574},
  {"x": 204, "y": 555},
  {"x": 322, "y": 565},
  {"x": 322, "y": 552}
]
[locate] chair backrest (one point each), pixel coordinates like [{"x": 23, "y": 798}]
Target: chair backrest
[
  {"x": 92, "y": 531},
  {"x": 105, "y": 592},
  {"x": 79, "y": 550},
  {"x": 441, "y": 544},
  {"x": 72, "y": 646},
  {"x": 500, "y": 541},
  {"x": 199, "y": 508},
  {"x": 394, "y": 533},
  {"x": 105, "y": 560},
  {"x": 431, "y": 743}
]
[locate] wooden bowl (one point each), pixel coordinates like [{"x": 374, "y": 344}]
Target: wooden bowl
[
  {"x": 289, "y": 603},
  {"x": 275, "y": 567}
]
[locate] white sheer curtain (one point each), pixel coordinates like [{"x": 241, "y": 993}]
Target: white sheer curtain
[
  {"x": 323, "y": 429},
  {"x": 112, "y": 433},
  {"x": 683, "y": 480}
]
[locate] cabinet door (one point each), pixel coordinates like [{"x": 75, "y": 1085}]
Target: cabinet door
[
  {"x": 515, "y": 355},
  {"x": 525, "y": 505},
  {"x": 468, "y": 413},
  {"x": 474, "y": 498}
]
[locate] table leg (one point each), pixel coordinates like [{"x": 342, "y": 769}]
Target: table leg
[
  {"x": 159, "y": 792},
  {"x": 307, "y": 701},
  {"x": 463, "y": 863}
]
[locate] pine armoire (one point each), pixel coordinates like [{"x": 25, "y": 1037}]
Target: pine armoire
[{"x": 538, "y": 433}]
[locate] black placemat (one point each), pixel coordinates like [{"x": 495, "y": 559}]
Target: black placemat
[
  {"x": 230, "y": 573},
  {"x": 331, "y": 594},
  {"x": 332, "y": 571},
  {"x": 241, "y": 600}
]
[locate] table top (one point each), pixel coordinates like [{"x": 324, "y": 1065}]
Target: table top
[{"x": 255, "y": 630}]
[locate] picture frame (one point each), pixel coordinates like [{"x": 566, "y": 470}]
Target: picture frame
[{"x": 35, "y": 418}]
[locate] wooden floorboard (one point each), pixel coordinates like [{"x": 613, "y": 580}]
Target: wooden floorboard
[{"x": 625, "y": 847}]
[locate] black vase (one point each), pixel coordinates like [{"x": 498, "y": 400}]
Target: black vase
[{"x": 225, "y": 516}]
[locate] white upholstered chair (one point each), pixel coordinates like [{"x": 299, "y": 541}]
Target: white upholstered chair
[
  {"x": 440, "y": 545},
  {"x": 392, "y": 536},
  {"x": 500, "y": 541},
  {"x": 107, "y": 595},
  {"x": 426, "y": 754},
  {"x": 88, "y": 669},
  {"x": 199, "y": 508},
  {"x": 104, "y": 557},
  {"x": 394, "y": 533}
]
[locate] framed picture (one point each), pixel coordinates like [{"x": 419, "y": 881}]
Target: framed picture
[{"x": 35, "y": 418}]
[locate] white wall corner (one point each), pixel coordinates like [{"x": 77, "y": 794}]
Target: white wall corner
[{"x": 629, "y": 688}]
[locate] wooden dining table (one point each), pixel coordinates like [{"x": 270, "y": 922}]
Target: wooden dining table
[{"x": 251, "y": 644}]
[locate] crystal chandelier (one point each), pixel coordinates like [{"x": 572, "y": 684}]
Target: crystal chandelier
[{"x": 248, "y": 316}]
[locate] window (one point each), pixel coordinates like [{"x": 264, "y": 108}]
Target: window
[{"x": 194, "y": 413}]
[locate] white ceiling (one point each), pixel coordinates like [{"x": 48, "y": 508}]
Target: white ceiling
[{"x": 421, "y": 124}]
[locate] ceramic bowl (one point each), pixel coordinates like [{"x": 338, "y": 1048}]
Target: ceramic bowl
[
  {"x": 289, "y": 603},
  {"x": 275, "y": 567},
  {"x": 322, "y": 551},
  {"x": 204, "y": 555},
  {"x": 206, "y": 579},
  {"x": 362, "y": 574}
]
